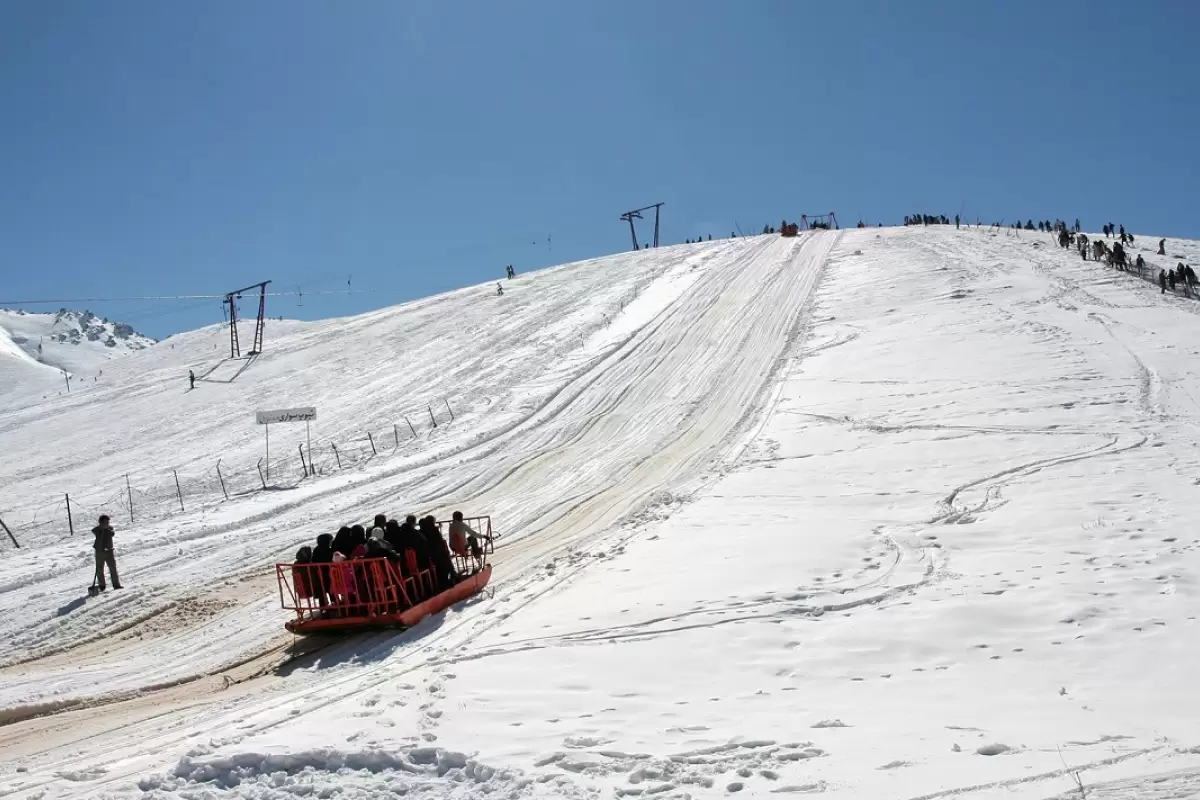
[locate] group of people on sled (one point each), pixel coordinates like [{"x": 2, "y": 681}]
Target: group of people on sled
[{"x": 415, "y": 548}]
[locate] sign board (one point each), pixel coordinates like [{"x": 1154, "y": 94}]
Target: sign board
[{"x": 286, "y": 415}]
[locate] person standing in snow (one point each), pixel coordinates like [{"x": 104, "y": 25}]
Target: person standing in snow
[
  {"x": 1118, "y": 255},
  {"x": 1140, "y": 263},
  {"x": 499, "y": 290},
  {"x": 1162, "y": 247},
  {"x": 1162, "y": 281},
  {"x": 191, "y": 379},
  {"x": 956, "y": 222},
  {"x": 104, "y": 553}
]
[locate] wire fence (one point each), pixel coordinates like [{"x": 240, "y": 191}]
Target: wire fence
[{"x": 139, "y": 498}]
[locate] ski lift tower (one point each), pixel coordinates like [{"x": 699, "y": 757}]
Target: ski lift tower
[
  {"x": 630, "y": 216},
  {"x": 235, "y": 347}
]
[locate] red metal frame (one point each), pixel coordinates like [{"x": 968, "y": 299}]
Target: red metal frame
[
  {"x": 373, "y": 592},
  {"x": 465, "y": 564}
]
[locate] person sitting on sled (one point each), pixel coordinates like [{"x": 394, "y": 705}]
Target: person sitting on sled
[
  {"x": 463, "y": 537},
  {"x": 439, "y": 554}
]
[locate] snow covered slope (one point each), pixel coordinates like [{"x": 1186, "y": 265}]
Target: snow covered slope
[
  {"x": 36, "y": 348},
  {"x": 879, "y": 513}
]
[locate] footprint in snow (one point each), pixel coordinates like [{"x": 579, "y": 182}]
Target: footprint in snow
[{"x": 993, "y": 749}]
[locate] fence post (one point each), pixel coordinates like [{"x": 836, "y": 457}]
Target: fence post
[
  {"x": 178, "y": 489},
  {"x": 431, "y": 417},
  {"x": 335, "y": 454},
  {"x": 396, "y": 432},
  {"x": 221, "y": 478},
  {"x": 410, "y": 427},
  {"x": 447, "y": 402},
  {"x": 70, "y": 521},
  {"x": 302, "y": 464},
  {"x": 129, "y": 489},
  {"x": 260, "y": 474},
  {"x": 10, "y": 535},
  {"x": 371, "y": 439}
]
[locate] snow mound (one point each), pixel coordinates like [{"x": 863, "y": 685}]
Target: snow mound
[{"x": 330, "y": 772}]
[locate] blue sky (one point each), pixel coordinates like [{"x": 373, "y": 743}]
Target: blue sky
[{"x": 152, "y": 147}]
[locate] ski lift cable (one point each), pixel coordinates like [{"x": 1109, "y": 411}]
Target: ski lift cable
[{"x": 164, "y": 297}]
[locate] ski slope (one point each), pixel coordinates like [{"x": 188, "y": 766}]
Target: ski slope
[
  {"x": 554, "y": 449},
  {"x": 899, "y": 513}
]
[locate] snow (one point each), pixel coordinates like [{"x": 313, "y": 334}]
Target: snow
[
  {"x": 878, "y": 513},
  {"x": 36, "y": 348}
]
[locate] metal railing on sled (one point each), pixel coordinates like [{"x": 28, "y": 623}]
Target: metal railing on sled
[
  {"x": 366, "y": 590},
  {"x": 465, "y": 561}
]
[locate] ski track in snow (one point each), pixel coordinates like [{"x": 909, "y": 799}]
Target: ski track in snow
[{"x": 734, "y": 515}]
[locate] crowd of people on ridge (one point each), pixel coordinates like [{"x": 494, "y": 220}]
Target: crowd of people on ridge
[
  {"x": 416, "y": 548},
  {"x": 928, "y": 219},
  {"x": 1115, "y": 255}
]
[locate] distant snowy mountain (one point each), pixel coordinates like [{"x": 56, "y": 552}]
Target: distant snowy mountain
[{"x": 35, "y": 346}]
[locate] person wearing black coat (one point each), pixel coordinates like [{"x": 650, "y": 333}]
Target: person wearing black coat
[
  {"x": 323, "y": 554},
  {"x": 401, "y": 543},
  {"x": 409, "y": 538},
  {"x": 439, "y": 554},
  {"x": 379, "y": 548},
  {"x": 341, "y": 542},
  {"x": 104, "y": 553}
]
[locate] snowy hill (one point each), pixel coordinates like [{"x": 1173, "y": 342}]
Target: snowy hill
[
  {"x": 873, "y": 513},
  {"x": 36, "y": 348}
]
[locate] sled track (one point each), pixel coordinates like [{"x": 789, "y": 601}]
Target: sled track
[{"x": 730, "y": 333}]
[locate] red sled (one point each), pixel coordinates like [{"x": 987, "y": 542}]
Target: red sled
[{"x": 367, "y": 593}]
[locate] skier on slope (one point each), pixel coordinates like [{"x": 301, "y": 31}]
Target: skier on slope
[
  {"x": 191, "y": 379},
  {"x": 1162, "y": 247}
]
